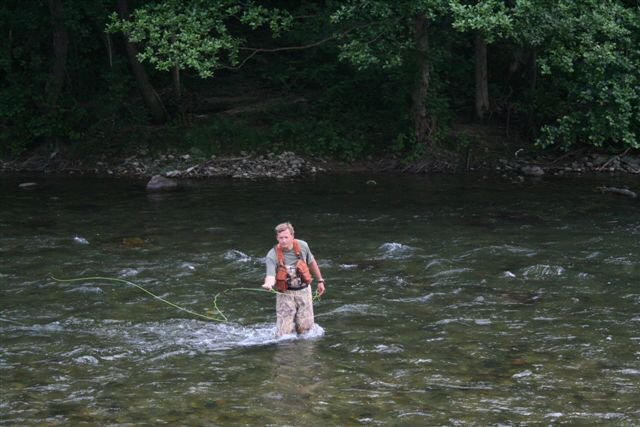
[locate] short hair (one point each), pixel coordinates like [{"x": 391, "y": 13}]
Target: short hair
[{"x": 284, "y": 226}]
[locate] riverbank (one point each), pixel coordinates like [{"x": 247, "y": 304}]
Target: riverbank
[{"x": 290, "y": 165}]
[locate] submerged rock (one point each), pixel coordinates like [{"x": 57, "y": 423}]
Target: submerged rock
[
  {"x": 133, "y": 242},
  {"x": 159, "y": 183}
]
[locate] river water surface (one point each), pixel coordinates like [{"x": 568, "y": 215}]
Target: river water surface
[{"x": 450, "y": 301}]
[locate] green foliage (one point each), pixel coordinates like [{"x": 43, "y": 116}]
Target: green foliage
[
  {"x": 27, "y": 117},
  {"x": 23, "y": 66},
  {"x": 357, "y": 87},
  {"x": 219, "y": 137},
  {"x": 305, "y": 137},
  {"x": 591, "y": 61},
  {"x": 313, "y": 138},
  {"x": 380, "y": 33},
  {"x": 384, "y": 35},
  {"x": 115, "y": 125},
  {"x": 405, "y": 146},
  {"x": 491, "y": 17},
  {"x": 196, "y": 34},
  {"x": 587, "y": 52}
]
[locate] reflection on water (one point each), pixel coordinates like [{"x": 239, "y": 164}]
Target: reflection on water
[{"x": 452, "y": 302}]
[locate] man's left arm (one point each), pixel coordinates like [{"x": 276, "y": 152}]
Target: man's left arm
[{"x": 315, "y": 270}]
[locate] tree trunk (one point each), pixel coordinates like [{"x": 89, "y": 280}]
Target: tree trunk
[
  {"x": 482, "y": 83},
  {"x": 531, "y": 121},
  {"x": 9, "y": 57},
  {"x": 421, "y": 120},
  {"x": 151, "y": 99},
  {"x": 177, "y": 87},
  {"x": 55, "y": 83},
  {"x": 175, "y": 75}
]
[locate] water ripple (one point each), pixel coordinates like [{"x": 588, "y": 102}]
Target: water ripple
[
  {"x": 501, "y": 250},
  {"x": 85, "y": 290},
  {"x": 451, "y": 272},
  {"x": 420, "y": 299},
  {"x": 380, "y": 348},
  {"x": 236, "y": 256},
  {"x": 349, "y": 309},
  {"x": 396, "y": 250},
  {"x": 542, "y": 271},
  {"x": 620, "y": 260}
]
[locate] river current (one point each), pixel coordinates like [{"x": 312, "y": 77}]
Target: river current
[{"x": 451, "y": 300}]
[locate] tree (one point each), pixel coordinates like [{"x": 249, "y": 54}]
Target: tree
[
  {"x": 389, "y": 34},
  {"x": 61, "y": 80},
  {"x": 60, "y": 49},
  {"x": 488, "y": 20},
  {"x": 34, "y": 70},
  {"x": 585, "y": 78},
  {"x": 149, "y": 95},
  {"x": 588, "y": 53},
  {"x": 196, "y": 34}
]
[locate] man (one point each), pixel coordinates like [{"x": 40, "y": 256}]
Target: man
[{"x": 289, "y": 265}]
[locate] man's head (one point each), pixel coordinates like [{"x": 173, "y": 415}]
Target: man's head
[{"x": 284, "y": 234}]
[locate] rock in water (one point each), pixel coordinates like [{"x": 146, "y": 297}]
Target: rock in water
[
  {"x": 28, "y": 185},
  {"x": 80, "y": 240},
  {"x": 621, "y": 191},
  {"x": 159, "y": 183},
  {"x": 532, "y": 170}
]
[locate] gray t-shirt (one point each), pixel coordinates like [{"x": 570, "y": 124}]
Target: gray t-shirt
[{"x": 290, "y": 258}]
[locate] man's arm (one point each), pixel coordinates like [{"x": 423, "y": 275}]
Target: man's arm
[
  {"x": 316, "y": 272},
  {"x": 271, "y": 265}
]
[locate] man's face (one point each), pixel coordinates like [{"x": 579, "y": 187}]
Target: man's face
[{"x": 285, "y": 239}]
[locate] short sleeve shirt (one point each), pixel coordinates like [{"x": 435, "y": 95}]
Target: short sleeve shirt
[{"x": 290, "y": 258}]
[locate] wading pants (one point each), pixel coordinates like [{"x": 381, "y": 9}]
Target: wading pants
[{"x": 294, "y": 310}]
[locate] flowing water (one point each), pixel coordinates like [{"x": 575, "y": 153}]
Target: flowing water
[{"x": 450, "y": 301}]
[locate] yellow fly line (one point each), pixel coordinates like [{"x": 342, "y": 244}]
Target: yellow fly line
[{"x": 219, "y": 316}]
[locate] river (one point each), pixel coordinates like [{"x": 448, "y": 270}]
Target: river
[{"x": 451, "y": 300}]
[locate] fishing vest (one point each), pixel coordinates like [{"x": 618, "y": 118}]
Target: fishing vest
[{"x": 283, "y": 279}]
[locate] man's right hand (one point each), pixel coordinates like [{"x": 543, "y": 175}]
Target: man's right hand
[{"x": 269, "y": 281}]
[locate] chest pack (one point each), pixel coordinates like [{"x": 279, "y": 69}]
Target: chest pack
[{"x": 283, "y": 279}]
